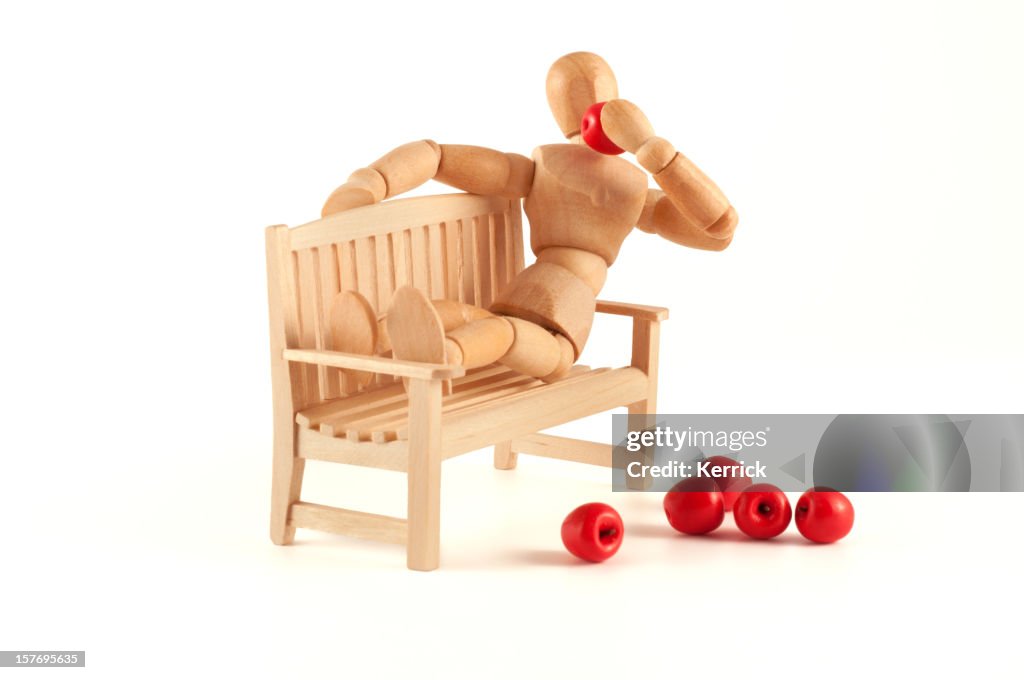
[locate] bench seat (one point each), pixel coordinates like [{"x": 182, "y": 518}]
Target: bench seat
[{"x": 486, "y": 405}]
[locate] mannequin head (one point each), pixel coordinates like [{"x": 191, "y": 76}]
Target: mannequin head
[{"x": 574, "y": 82}]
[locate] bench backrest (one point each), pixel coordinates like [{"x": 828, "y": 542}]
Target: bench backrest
[{"x": 456, "y": 246}]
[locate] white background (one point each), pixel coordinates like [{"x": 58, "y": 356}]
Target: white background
[{"x": 873, "y": 151}]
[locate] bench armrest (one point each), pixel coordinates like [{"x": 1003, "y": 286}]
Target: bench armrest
[
  {"x": 644, "y": 312},
  {"x": 646, "y": 338},
  {"x": 361, "y": 362}
]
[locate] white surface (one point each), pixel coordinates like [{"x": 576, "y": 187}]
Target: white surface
[
  {"x": 184, "y": 567},
  {"x": 872, "y": 152}
]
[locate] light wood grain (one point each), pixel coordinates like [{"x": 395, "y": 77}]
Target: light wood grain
[
  {"x": 566, "y": 357},
  {"x": 408, "y": 166},
  {"x": 466, "y": 248},
  {"x": 693, "y": 194},
  {"x": 482, "y": 341},
  {"x": 414, "y": 327},
  {"x": 330, "y": 287},
  {"x": 583, "y": 199},
  {"x": 662, "y": 217},
  {"x": 480, "y": 170},
  {"x": 393, "y": 214},
  {"x": 316, "y": 446},
  {"x": 353, "y": 330},
  {"x": 574, "y": 82},
  {"x": 625, "y": 124},
  {"x": 588, "y": 266},
  {"x": 551, "y": 297},
  {"x": 518, "y": 415},
  {"x": 646, "y": 348},
  {"x": 424, "y": 477},
  {"x": 358, "y": 362},
  {"x": 384, "y": 423},
  {"x": 504, "y": 457},
  {"x": 641, "y": 414},
  {"x": 392, "y": 423},
  {"x": 334, "y": 416},
  {"x": 533, "y": 351},
  {"x": 288, "y": 381},
  {"x": 311, "y": 323},
  {"x": 655, "y": 154},
  {"x": 349, "y": 523},
  {"x": 564, "y": 448},
  {"x": 646, "y": 312}
]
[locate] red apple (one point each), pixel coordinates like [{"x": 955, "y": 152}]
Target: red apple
[
  {"x": 592, "y": 532},
  {"x": 594, "y": 135},
  {"x": 695, "y": 506},
  {"x": 762, "y": 511},
  {"x": 732, "y": 480},
  {"x": 824, "y": 515}
]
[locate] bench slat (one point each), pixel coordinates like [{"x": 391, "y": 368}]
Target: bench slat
[
  {"x": 552, "y": 405},
  {"x": 385, "y": 427},
  {"x": 331, "y": 415}
]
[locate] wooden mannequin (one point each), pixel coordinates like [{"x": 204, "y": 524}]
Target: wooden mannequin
[{"x": 581, "y": 205}]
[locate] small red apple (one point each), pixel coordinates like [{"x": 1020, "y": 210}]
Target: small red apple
[
  {"x": 594, "y": 135},
  {"x": 824, "y": 515},
  {"x": 762, "y": 511},
  {"x": 593, "y": 532},
  {"x": 695, "y": 506},
  {"x": 733, "y": 482}
]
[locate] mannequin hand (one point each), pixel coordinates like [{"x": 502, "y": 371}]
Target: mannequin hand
[{"x": 625, "y": 124}]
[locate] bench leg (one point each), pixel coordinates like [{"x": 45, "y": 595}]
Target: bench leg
[
  {"x": 286, "y": 484},
  {"x": 646, "y": 337},
  {"x": 423, "y": 550},
  {"x": 504, "y": 457}
]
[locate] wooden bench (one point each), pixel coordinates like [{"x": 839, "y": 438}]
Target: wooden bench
[{"x": 456, "y": 246}]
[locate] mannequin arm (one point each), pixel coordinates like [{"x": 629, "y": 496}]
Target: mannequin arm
[
  {"x": 475, "y": 169},
  {"x": 661, "y": 216},
  {"x": 691, "y": 209}
]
